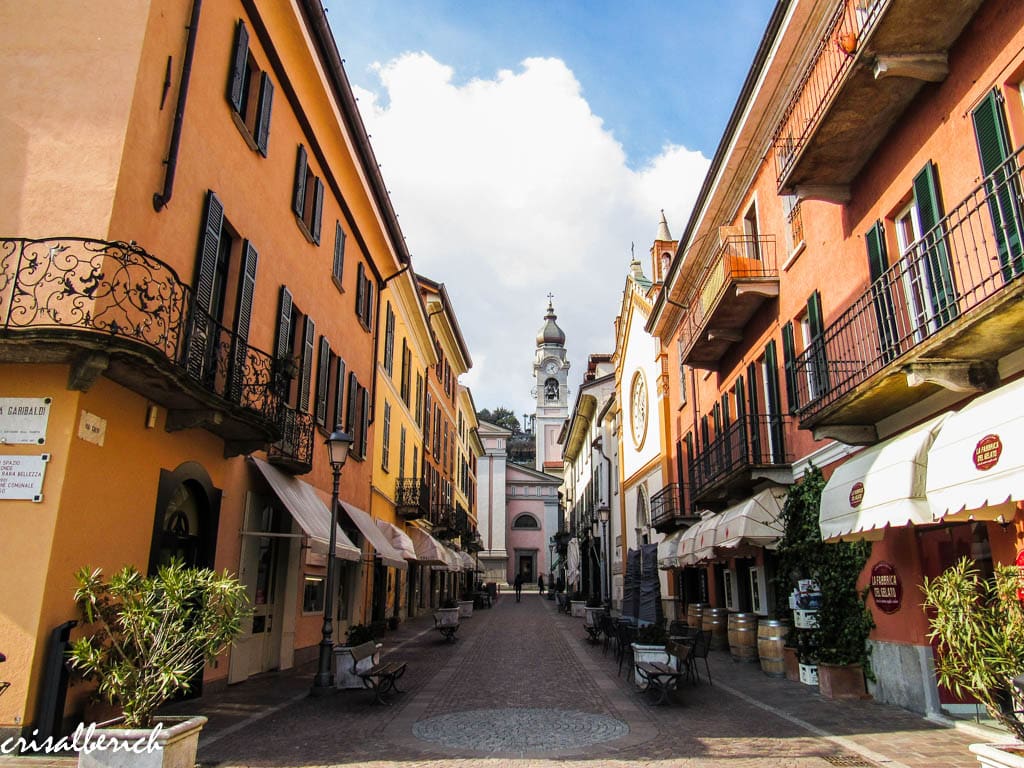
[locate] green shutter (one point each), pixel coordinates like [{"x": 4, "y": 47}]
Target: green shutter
[
  {"x": 299, "y": 193},
  {"x": 881, "y": 293},
  {"x": 1001, "y": 183},
  {"x": 773, "y": 407},
  {"x": 323, "y": 373},
  {"x": 819, "y": 353},
  {"x": 206, "y": 275},
  {"x": 263, "y": 121},
  {"x": 755, "y": 421},
  {"x": 308, "y": 348},
  {"x": 243, "y": 315},
  {"x": 789, "y": 360},
  {"x": 239, "y": 58},
  {"x": 938, "y": 271}
]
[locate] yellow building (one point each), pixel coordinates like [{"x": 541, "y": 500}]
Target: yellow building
[
  {"x": 197, "y": 240},
  {"x": 469, "y": 448}
]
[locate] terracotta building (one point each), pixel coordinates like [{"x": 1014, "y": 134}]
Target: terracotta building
[{"x": 845, "y": 294}]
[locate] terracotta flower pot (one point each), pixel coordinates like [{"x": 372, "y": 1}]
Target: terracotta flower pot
[{"x": 841, "y": 681}]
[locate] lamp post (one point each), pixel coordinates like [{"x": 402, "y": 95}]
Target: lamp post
[
  {"x": 338, "y": 445},
  {"x": 603, "y": 514}
]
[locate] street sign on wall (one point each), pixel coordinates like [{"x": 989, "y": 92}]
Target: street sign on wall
[
  {"x": 23, "y": 420},
  {"x": 21, "y": 477}
]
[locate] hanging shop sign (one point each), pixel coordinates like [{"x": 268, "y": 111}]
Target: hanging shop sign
[
  {"x": 23, "y": 420},
  {"x": 886, "y": 588},
  {"x": 21, "y": 477}
]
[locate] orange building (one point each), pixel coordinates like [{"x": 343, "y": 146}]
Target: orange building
[
  {"x": 197, "y": 234},
  {"x": 846, "y": 294}
]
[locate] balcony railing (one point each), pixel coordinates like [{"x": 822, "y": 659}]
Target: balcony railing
[
  {"x": 742, "y": 276},
  {"x": 832, "y": 60},
  {"x": 60, "y": 298},
  {"x": 732, "y": 458},
  {"x": 972, "y": 256},
  {"x": 294, "y": 451},
  {"x": 412, "y": 498},
  {"x": 670, "y": 507},
  {"x": 442, "y": 517}
]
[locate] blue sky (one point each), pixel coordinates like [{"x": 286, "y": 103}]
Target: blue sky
[{"x": 528, "y": 144}]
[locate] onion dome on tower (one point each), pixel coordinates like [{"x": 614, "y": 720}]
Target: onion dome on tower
[{"x": 550, "y": 333}]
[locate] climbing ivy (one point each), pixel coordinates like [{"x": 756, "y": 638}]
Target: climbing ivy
[{"x": 844, "y": 620}]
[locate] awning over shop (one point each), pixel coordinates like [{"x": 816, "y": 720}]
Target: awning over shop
[
  {"x": 468, "y": 564},
  {"x": 668, "y": 550},
  {"x": 312, "y": 515},
  {"x": 756, "y": 521},
  {"x": 429, "y": 551},
  {"x": 881, "y": 486},
  {"x": 451, "y": 560},
  {"x": 975, "y": 464},
  {"x": 704, "y": 539},
  {"x": 688, "y": 544},
  {"x": 366, "y": 525},
  {"x": 398, "y": 538}
]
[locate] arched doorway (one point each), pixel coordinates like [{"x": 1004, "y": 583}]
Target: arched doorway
[{"x": 187, "y": 513}]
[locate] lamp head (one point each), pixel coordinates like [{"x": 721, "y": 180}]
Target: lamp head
[
  {"x": 604, "y": 514},
  {"x": 338, "y": 445}
]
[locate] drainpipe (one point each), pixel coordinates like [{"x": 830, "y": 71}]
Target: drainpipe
[
  {"x": 599, "y": 444},
  {"x": 160, "y": 199}
]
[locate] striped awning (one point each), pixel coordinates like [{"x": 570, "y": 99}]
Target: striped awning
[
  {"x": 429, "y": 551},
  {"x": 669, "y": 550},
  {"x": 399, "y": 539},
  {"x": 381, "y": 545}
]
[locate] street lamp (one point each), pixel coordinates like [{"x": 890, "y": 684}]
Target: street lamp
[
  {"x": 338, "y": 445},
  {"x": 603, "y": 514}
]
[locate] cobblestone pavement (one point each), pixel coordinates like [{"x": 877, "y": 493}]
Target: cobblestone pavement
[{"x": 521, "y": 687}]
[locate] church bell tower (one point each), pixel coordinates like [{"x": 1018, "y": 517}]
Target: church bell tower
[{"x": 550, "y": 373}]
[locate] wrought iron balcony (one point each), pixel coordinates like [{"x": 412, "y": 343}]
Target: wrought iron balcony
[
  {"x": 412, "y": 498},
  {"x": 670, "y": 508},
  {"x": 294, "y": 451},
  {"x": 941, "y": 316},
  {"x": 865, "y": 70},
  {"x": 112, "y": 308},
  {"x": 442, "y": 517},
  {"x": 748, "y": 450},
  {"x": 742, "y": 277}
]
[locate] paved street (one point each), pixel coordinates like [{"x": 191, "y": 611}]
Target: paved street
[{"x": 522, "y": 687}]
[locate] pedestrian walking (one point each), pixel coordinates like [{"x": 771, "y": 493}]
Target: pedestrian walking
[
  {"x": 519, "y": 586},
  {"x": 540, "y": 583}
]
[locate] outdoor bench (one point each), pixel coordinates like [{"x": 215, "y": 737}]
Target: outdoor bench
[{"x": 383, "y": 677}]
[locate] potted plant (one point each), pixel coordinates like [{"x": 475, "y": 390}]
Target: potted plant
[
  {"x": 149, "y": 639},
  {"x": 592, "y": 610},
  {"x": 832, "y": 648},
  {"x": 978, "y": 625},
  {"x": 466, "y": 605},
  {"x": 346, "y": 670},
  {"x": 577, "y": 602},
  {"x": 650, "y": 646},
  {"x": 448, "y": 613}
]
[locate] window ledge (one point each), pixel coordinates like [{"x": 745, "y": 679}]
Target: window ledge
[
  {"x": 244, "y": 130},
  {"x": 305, "y": 229},
  {"x": 337, "y": 283},
  {"x": 794, "y": 255}
]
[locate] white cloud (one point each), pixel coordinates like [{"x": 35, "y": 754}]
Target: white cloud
[{"x": 508, "y": 188}]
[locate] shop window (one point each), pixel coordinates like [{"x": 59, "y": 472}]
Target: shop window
[
  {"x": 250, "y": 93},
  {"x": 307, "y": 197},
  {"x": 313, "y": 591},
  {"x": 757, "y": 591},
  {"x": 729, "y": 588}
]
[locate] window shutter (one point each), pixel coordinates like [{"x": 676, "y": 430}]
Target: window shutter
[
  {"x": 773, "y": 407},
  {"x": 814, "y": 315},
  {"x": 885, "y": 311},
  {"x": 299, "y": 193},
  {"x": 206, "y": 269},
  {"x": 929, "y": 210},
  {"x": 284, "y": 325},
  {"x": 353, "y": 397},
  {"x": 360, "y": 290},
  {"x": 716, "y": 416},
  {"x": 364, "y": 421},
  {"x": 725, "y": 411},
  {"x": 819, "y": 353},
  {"x": 1003, "y": 188},
  {"x": 389, "y": 340},
  {"x": 739, "y": 393},
  {"x": 318, "y": 209},
  {"x": 878, "y": 261},
  {"x": 244, "y": 314},
  {"x": 789, "y": 359},
  {"x": 339, "y": 251},
  {"x": 323, "y": 374},
  {"x": 752, "y": 389},
  {"x": 236, "y": 77},
  {"x": 307, "y": 363},
  {"x": 368, "y": 305},
  {"x": 339, "y": 396},
  {"x": 263, "y": 122}
]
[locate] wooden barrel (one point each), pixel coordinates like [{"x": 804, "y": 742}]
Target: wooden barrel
[
  {"x": 694, "y": 614},
  {"x": 743, "y": 636},
  {"x": 771, "y": 639},
  {"x": 716, "y": 621}
]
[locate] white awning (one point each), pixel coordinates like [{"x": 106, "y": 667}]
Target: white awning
[
  {"x": 429, "y": 551},
  {"x": 452, "y": 561},
  {"x": 305, "y": 506},
  {"x": 366, "y": 525},
  {"x": 704, "y": 539},
  {"x": 976, "y": 463},
  {"x": 668, "y": 550},
  {"x": 881, "y": 486},
  {"x": 688, "y": 544},
  {"x": 398, "y": 538},
  {"x": 756, "y": 521},
  {"x": 468, "y": 564}
]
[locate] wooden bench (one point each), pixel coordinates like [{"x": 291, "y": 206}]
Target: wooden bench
[
  {"x": 447, "y": 630},
  {"x": 662, "y": 678},
  {"x": 383, "y": 677}
]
